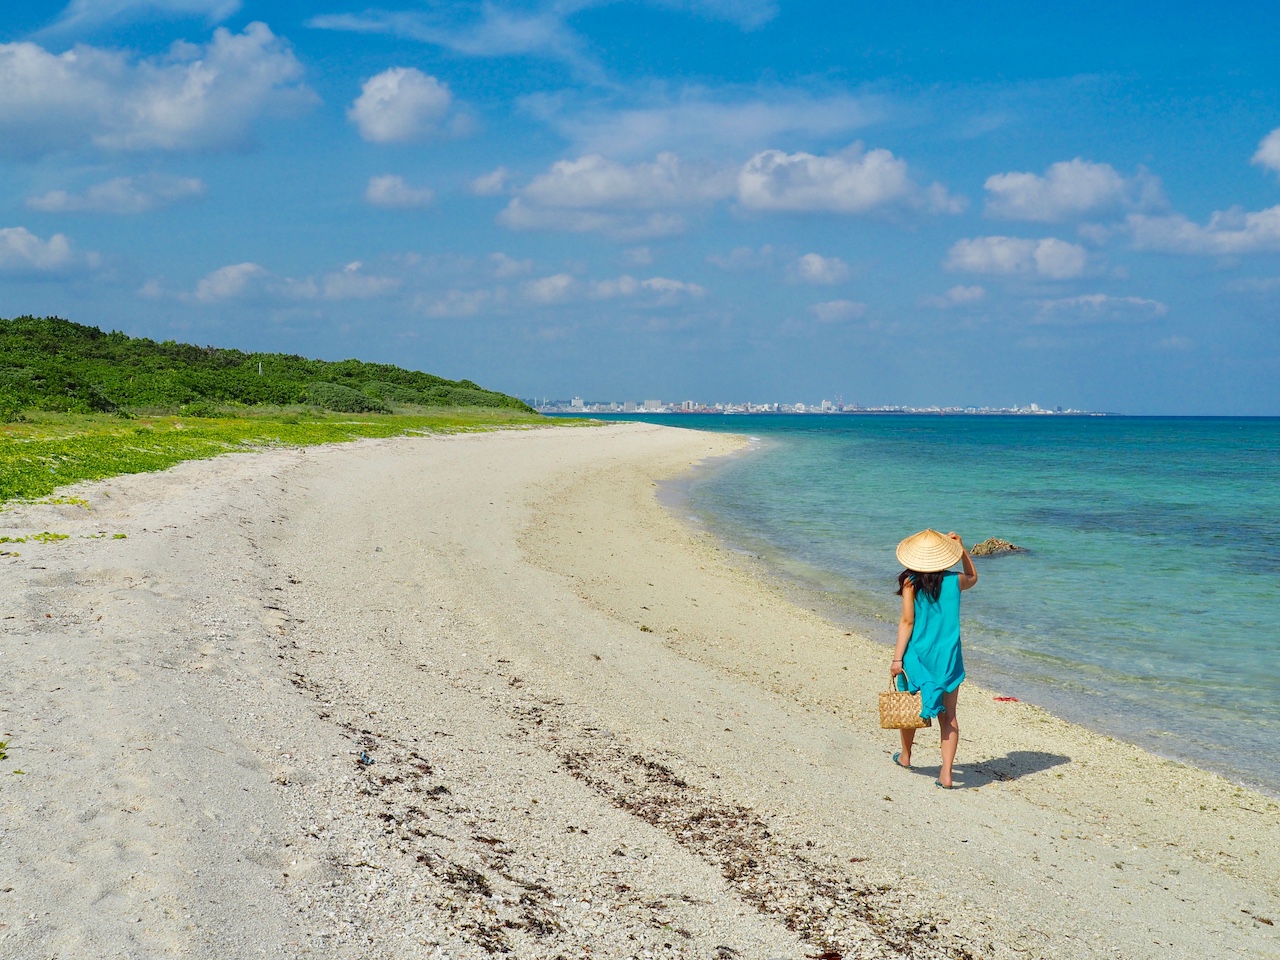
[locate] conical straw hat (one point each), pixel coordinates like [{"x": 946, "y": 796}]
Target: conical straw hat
[{"x": 929, "y": 552}]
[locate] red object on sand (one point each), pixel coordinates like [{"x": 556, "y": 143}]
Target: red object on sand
[{"x": 1005, "y": 699}]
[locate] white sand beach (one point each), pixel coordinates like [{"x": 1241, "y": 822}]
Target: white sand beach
[{"x": 453, "y": 697}]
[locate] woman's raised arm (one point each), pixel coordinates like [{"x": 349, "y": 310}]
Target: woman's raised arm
[{"x": 970, "y": 575}]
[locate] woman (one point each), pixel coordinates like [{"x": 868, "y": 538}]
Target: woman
[{"x": 928, "y": 649}]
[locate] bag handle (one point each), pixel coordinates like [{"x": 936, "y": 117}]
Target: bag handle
[{"x": 893, "y": 683}]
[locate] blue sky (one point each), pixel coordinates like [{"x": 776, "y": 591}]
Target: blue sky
[{"x": 685, "y": 199}]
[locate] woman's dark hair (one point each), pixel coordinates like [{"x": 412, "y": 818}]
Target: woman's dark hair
[{"x": 930, "y": 584}]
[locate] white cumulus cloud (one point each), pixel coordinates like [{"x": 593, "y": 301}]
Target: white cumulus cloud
[
  {"x": 1067, "y": 189},
  {"x": 229, "y": 282},
  {"x": 1099, "y": 308},
  {"x": 392, "y": 192},
  {"x": 22, "y": 252},
  {"x": 193, "y": 98},
  {"x": 1268, "y": 154},
  {"x": 638, "y": 200},
  {"x": 957, "y": 296},
  {"x": 624, "y": 201},
  {"x": 121, "y": 195},
  {"x": 852, "y": 181},
  {"x": 817, "y": 269},
  {"x": 1049, "y": 257},
  {"x": 1227, "y": 232},
  {"x": 838, "y": 311},
  {"x": 400, "y": 105}
]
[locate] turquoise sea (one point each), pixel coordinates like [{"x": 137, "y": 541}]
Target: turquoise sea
[{"x": 1147, "y": 607}]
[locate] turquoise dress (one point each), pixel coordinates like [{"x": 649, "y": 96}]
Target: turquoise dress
[{"x": 933, "y": 662}]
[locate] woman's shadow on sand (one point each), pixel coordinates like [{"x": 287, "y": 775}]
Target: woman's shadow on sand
[{"x": 1015, "y": 764}]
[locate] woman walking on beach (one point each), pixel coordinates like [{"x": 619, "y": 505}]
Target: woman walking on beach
[{"x": 928, "y": 650}]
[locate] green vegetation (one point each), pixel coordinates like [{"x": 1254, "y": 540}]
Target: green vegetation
[
  {"x": 51, "y": 450},
  {"x": 49, "y": 364},
  {"x": 78, "y": 404}
]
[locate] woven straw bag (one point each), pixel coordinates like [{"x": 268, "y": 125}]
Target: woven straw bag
[{"x": 900, "y": 710}]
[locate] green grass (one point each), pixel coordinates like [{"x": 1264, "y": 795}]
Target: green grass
[{"x": 52, "y": 450}]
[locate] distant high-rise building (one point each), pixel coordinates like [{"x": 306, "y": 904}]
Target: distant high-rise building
[
  {"x": 652, "y": 405},
  {"x": 577, "y": 404}
]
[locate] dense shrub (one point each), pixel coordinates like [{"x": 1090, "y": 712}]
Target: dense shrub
[
  {"x": 334, "y": 396},
  {"x": 53, "y": 364},
  {"x": 394, "y": 391}
]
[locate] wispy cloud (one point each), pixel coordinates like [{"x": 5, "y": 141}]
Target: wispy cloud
[
  {"x": 254, "y": 282},
  {"x": 121, "y": 195},
  {"x": 541, "y": 30},
  {"x": 743, "y": 258},
  {"x": 90, "y": 14},
  {"x": 483, "y": 30},
  {"x": 391, "y": 191},
  {"x": 838, "y": 311},
  {"x": 1098, "y": 308},
  {"x": 705, "y": 122},
  {"x": 491, "y": 184},
  {"x": 655, "y": 291},
  {"x": 817, "y": 269},
  {"x": 957, "y": 296}
]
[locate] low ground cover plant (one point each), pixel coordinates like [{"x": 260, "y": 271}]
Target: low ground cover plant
[
  {"x": 48, "y": 451},
  {"x": 79, "y": 404}
]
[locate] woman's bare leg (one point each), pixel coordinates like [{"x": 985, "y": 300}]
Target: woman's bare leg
[
  {"x": 908, "y": 738},
  {"x": 949, "y": 731}
]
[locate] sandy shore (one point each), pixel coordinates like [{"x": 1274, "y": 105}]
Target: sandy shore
[{"x": 456, "y": 697}]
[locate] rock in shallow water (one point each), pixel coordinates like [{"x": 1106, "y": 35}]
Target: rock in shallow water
[{"x": 994, "y": 545}]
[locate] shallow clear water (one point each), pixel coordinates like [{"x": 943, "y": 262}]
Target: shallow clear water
[{"x": 1147, "y": 605}]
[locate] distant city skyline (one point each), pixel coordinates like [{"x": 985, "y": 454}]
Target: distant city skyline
[
  {"x": 579, "y": 405},
  {"x": 701, "y": 198}
]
